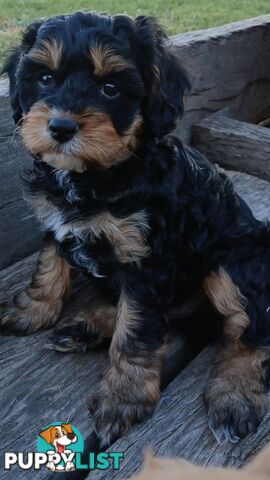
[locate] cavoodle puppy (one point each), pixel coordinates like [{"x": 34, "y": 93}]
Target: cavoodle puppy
[
  {"x": 166, "y": 469},
  {"x": 150, "y": 221}
]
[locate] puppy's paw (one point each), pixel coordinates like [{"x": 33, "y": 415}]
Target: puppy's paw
[
  {"x": 113, "y": 416},
  {"x": 232, "y": 416},
  {"x": 73, "y": 336},
  {"x": 23, "y": 316},
  {"x": 51, "y": 466},
  {"x": 15, "y": 319},
  {"x": 65, "y": 344}
]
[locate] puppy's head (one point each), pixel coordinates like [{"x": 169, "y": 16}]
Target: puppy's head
[
  {"x": 59, "y": 436},
  {"x": 88, "y": 88}
]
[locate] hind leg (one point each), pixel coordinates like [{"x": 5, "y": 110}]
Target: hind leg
[{"x": 235, "y": 395}]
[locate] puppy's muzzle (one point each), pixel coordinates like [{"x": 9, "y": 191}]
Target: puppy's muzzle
[{"x": 62, "y": 129}]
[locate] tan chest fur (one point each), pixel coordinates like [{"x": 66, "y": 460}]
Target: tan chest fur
[{"x": 127, "y": 235}]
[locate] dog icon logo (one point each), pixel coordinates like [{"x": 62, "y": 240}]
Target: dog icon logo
[{"x": 60, "y": 441}]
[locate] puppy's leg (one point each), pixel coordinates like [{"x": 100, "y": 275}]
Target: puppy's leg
[
  {"x": 40, "y": 304},
  {"x": 94, "y": 323},
  {"x": 236, "y": 391},
  {"x": 130, "y": 390}
]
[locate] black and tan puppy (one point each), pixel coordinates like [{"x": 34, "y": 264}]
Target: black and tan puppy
[{"x": 124, "y": 202}]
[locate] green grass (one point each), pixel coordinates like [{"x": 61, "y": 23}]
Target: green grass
[{"x": 176, "y": 15}]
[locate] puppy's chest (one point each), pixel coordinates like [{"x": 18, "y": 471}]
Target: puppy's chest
[{"x": 126, "y": 235}]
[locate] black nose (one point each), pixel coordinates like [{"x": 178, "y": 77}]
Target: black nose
[
  {"x": 62, "y": 129},
  {"x": 71, "y": 436}
]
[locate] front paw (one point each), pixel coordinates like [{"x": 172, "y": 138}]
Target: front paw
[
  {"x": 15, "y": 319},
  {"x": 113, "y": 416},
  {"x": 232, "y": 415},
  {"x": 23, "y": 316}
]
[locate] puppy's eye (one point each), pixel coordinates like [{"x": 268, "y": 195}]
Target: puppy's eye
[
  {"x": 110, "y": 90},
  {"x": 56, "y": 434},
  {"x": 46, "y": 80}
]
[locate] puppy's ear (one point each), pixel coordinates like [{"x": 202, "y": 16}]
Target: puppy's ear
[
  {"x": 46, "y": 434},
  {"x": 260, "y": 464},
  {"x": 165, "y": 78},
  {"x": 11, "y": 66}
]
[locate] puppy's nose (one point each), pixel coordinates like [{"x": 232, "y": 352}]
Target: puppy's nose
[
  {"x": 62, "y": 129},
  {"x": 71, "y": 436}
]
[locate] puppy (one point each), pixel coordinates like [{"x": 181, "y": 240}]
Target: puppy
[
  {"x": 150, "y": 221},
  {"x": 178, "y": 469},
  {"x": 59, "y": 437}
]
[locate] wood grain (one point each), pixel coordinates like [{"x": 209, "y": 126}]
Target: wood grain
[
  {"x": 20, "y": 235},
  {"x": 234, "y": 145},
  {"x": 255, "y": 191},
  {"x": 228, "y": 67}
]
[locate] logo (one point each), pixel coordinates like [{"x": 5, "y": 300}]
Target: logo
[
  {"x": 60, "y": 442},
  {"x": 59, "y": 449}
]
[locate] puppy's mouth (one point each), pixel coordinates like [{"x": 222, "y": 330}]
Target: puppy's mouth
[
  {"x": 72, "y": 141},
  {"x": 60, "y": 448}
]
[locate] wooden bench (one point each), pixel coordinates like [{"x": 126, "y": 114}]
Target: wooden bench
[{"x": 39, "y": 386}]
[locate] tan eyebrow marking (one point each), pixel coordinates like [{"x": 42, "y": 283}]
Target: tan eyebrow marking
[
  {"x": 48, "y": 54},
  {"x": 105, "y": 61}
]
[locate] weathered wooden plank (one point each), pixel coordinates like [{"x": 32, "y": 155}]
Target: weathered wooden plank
[
  {"x": 239, "y": 27},
  {"x": 255, "y": 191},
  {"x": 39, "y": 386},
  {"x": 6, "y": 121},
  {"x": 227, "y": 65},
  {"x": 179, "y": 428},
  {"x": 234, "y": 145},
  {"x": 20, "y": 235},
  {"x": 4, "y": 87}
]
